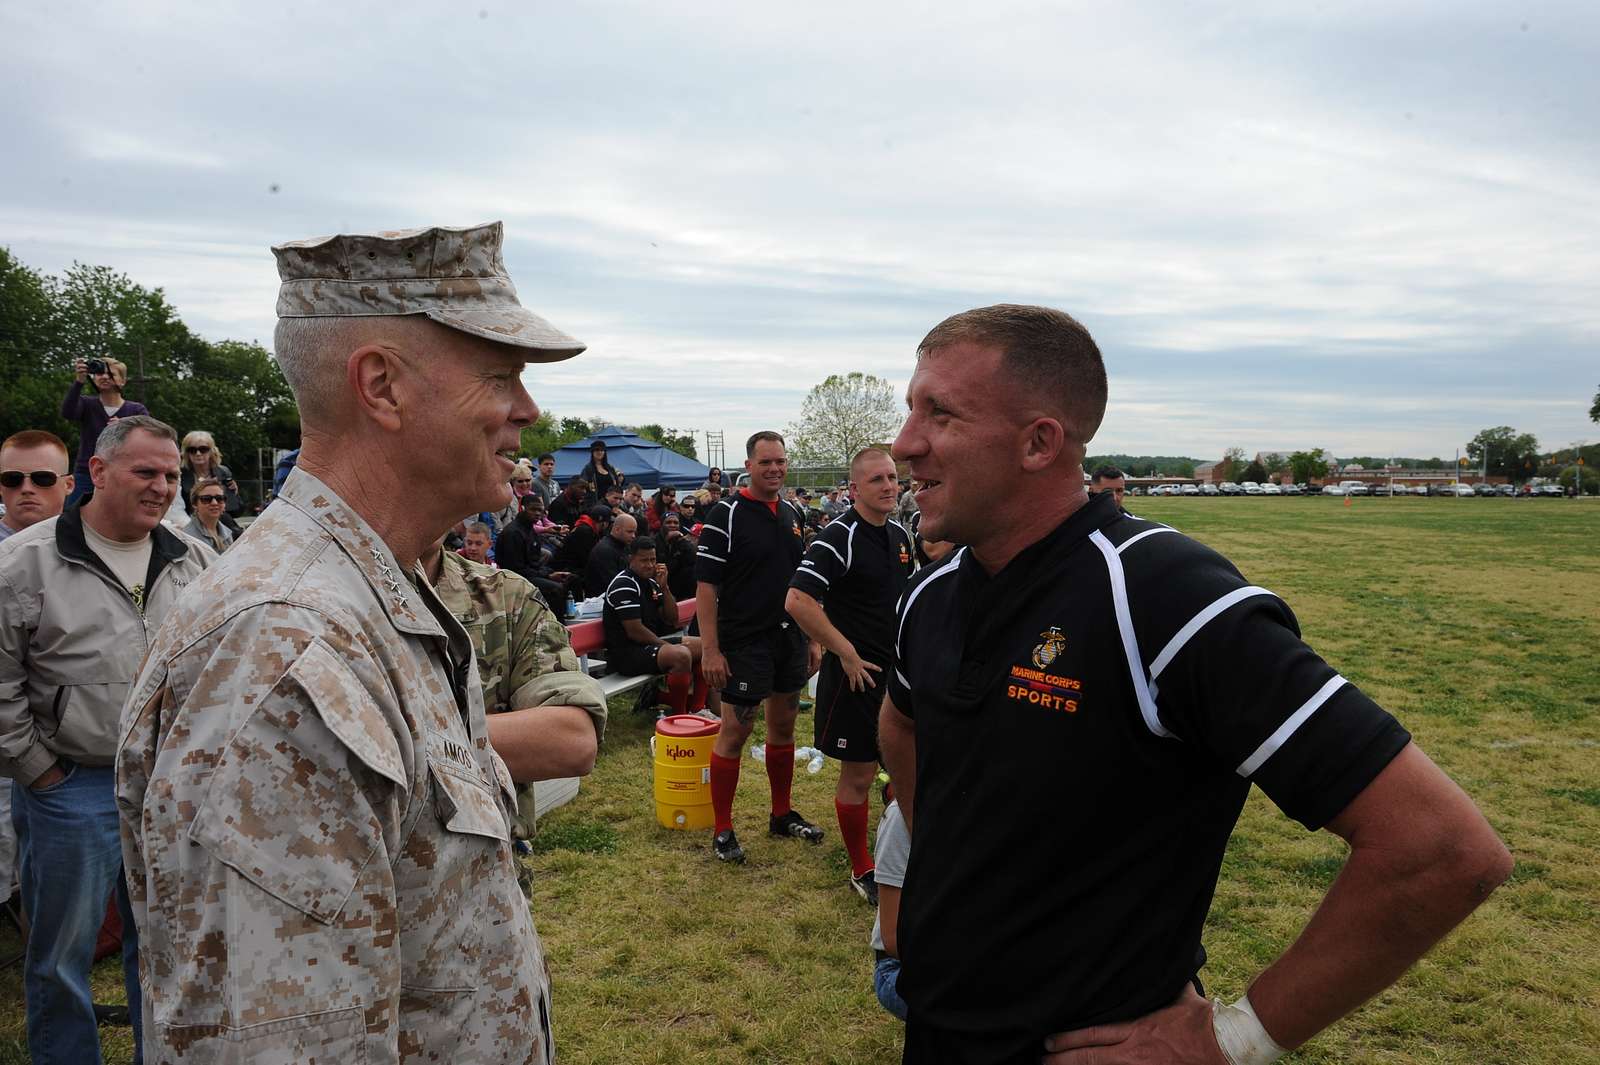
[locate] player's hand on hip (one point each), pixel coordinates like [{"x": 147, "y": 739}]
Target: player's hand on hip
[
  {"x": 859, "y": 672},
  {"x": 714, "y": 667},
  {"x": 1179, "y": 1034}
]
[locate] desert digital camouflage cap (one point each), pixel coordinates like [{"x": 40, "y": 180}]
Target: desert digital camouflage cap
[{"x": 457, "y": 277}]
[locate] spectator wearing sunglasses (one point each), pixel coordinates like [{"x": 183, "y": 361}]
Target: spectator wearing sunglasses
[
  {"x": 201, "y": 459},
  {"x": 92, "y": 413},
  {"x": 34, "y": 481},
  {"x": 206, "y": 503}
]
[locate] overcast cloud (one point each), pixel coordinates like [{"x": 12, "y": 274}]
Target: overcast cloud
[{"x": 1369, "y": 226}]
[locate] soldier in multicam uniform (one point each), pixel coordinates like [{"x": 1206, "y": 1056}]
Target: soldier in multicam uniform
[
  {"x": 316, "y": 830},
  {"x": 546, "y": 716}
]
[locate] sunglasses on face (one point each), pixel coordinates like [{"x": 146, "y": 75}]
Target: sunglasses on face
[
  {"x": 198, "y": 449},
  {"x": 40, "y": 478},
  {"x": 212, "y": 499}
]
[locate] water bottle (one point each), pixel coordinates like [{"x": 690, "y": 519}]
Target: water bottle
[
  {"x": 572, "y": 608},
  {"x": 758, "y": 752},
  {"x": 814, "y": 766}
]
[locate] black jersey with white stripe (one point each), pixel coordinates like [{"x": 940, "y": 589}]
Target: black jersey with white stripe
[
  {"x": 630, "y": 597},
  {"x": 858, "y": 571},
  {"x": 1089, "y": 721},
  {"x": 749, "y": 549}
]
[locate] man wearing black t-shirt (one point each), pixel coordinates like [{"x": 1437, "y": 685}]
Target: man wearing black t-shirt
[
  {"x": 1079, "y": 705},
  {"x": 750, "y": 545},
  {"x": 640, "y": 609},
  {"x": 843, "y": 596}
]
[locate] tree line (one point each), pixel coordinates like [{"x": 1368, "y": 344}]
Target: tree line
[{"x": 230, "y": 388}]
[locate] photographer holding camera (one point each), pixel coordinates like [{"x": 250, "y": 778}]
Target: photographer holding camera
[{"x": 106, "y": 376}]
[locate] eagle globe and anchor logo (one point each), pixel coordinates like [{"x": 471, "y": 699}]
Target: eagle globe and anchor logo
[{"x": 1047, "y": 651}]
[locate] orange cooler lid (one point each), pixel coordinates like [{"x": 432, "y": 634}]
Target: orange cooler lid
[{"x": 687, "y": 726}]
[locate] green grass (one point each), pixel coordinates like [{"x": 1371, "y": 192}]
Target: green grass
[{"x": 1476, "y": 621}]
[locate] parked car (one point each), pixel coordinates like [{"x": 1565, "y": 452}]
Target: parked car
[
  {"x": 1505, "y": 489},
  {"x": 1270, "y": 489},
  {"x": 1555, "y": 491},
  {"x": 1190, "y": 489},
  {"x": 1377, "y": 488},
  {"x": 1230, "y": 489},
  {"x": 1210, "y": 490},
  {"x": 1352, "y": 488},
  {"x": 1293, "y": 490},
  {"x": 1483, "y": 490},
  {"x": 1250, "y": 488}
]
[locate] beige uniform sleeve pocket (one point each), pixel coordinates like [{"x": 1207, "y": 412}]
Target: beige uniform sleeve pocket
[{"x": 294, "y": 804}]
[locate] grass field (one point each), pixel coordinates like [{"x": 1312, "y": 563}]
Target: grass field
[{"x": 1477, "y": 622}]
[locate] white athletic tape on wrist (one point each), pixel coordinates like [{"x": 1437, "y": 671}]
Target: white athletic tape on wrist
[{"x": 1240, "y": 1035}]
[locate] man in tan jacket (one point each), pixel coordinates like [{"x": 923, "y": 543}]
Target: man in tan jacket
[{"x": 79, "y": 596}]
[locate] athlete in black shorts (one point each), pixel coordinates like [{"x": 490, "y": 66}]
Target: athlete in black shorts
[
  {"x": 639, "y": 611},
  {"x": 843, "y": 596},
  {"x": 750, "y": 545}
]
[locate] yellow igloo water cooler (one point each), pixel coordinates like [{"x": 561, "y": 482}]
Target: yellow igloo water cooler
[{"x": 682, "y": 745}]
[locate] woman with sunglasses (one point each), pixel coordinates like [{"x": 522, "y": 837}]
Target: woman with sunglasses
[
  {"x": 92, "y": 413},
  {"x": 207, "y": 501},
  {"x": 202, "y": 459}
]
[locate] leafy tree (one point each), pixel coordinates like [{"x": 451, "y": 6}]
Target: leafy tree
[
  {"x": 1594, "y": 409},
  {"x": 1141, "y": 465},
  {"x": 1307, "y": 466},
  {"x": 1509, "y": 453},
  {"x": 1232, "y": 463},
  {"x": 1255, "y": 471},
  {"x": 840, "y": 416},
  {"x": 680, "y": 441},
  {"x": 1591, "y": 478},
  {"x": 233, "y": 390}
]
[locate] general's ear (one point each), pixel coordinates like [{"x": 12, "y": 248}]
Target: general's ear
[
  {"x": 372, "y": 374},
  {"x": 1044, "y": 440}
]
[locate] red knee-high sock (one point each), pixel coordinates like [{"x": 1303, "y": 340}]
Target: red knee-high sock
[
  {"x": 780, "y": 775},
  {"x": 724, "y": 782},
  {"x": 853, "y": 830},
  {"x": 697, "y": 698},
  {"x": 678, "y": 691}
]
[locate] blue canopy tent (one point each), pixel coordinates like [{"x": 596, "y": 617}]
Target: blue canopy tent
[{"x": 637, "y": 459}]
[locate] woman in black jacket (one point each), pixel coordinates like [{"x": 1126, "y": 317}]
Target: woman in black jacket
[{"x": 598, "y": 473}]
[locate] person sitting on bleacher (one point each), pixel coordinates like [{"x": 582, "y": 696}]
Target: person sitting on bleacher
[
  {"x": 639, "y": 617},
  {"x": 571, "y": 504},
  {"x": 676, "y": 548},
  {"x": 610, "y": 554}
]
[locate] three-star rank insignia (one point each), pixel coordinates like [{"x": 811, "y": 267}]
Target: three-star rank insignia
[{"x": 1053, "y": 643}]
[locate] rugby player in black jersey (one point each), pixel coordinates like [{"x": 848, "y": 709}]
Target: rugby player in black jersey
[{"x": 1079, "y": 705}]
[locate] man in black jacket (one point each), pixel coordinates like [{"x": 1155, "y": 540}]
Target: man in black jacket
[
  {"x": 610, "y": 554},
  {"x": 521, "y": 550},
  {"x": 573, "y": 554}
]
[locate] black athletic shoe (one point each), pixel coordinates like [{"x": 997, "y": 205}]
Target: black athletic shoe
[
  {"x": 725, "y": 845},
  {"x": 112, "y": 1015},
  {"x": 866, "y": 886},
  {"x": 792, "y": 824}
]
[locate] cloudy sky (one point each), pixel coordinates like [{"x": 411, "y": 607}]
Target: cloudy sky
[{"x": 1370, "y": 227}]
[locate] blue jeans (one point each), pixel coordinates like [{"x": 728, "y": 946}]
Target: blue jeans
[
  {"x": 885, "y": 980},
  {"x": 69, "y": 861}
]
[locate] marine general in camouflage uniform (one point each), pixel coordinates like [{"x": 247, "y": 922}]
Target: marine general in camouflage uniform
[
  {"x": 546, "y": 716},
  {"x": 316, "y": 830}
]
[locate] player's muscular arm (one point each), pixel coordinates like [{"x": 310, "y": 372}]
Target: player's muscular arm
[
  {"x": 813, "y": 620},
  {"x": 897, "y": 742},
  {"x": 1421, "y": 859},
  {"x": 712, "y": 664}
]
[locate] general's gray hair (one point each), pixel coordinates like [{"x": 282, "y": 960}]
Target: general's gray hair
[
  {"x": 311, "y": 353},
  {"x": 114, "y": 437}
]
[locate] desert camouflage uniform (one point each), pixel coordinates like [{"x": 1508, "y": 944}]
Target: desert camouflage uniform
[
  {"x": 316, "y": 831},
  {"x": 524, "y": 656}
]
